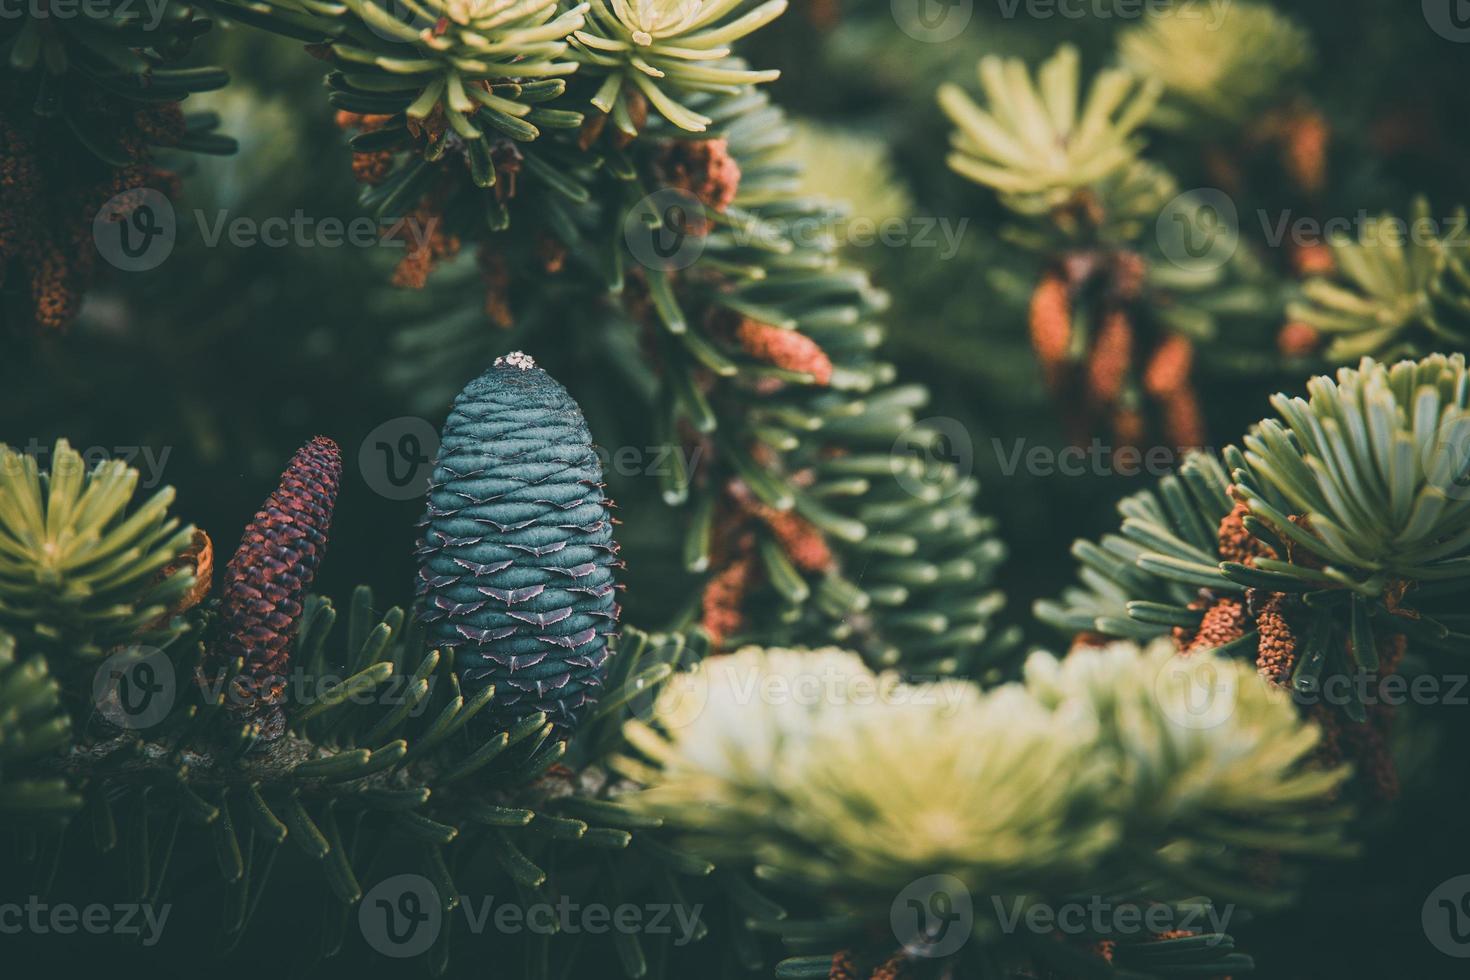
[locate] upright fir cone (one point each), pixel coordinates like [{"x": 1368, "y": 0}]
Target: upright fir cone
[
  {"x": 267, "y": 579},
  {"x": 517, "y": 562}
]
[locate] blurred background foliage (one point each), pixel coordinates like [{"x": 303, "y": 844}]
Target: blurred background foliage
[
  {"x": 1392, "y": 88},
  {"x": 228, "y": 358},
  {"x": 255, "y": 349}
]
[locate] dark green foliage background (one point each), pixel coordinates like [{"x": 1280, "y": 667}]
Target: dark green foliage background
[{"x": 231, "y": 358}]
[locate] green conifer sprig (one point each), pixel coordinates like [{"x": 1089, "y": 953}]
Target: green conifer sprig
[
  {"x": 1357, "y": 499},
  {"x": 927, "y": 561},
  {"x": 852, "y": 457},
  {"x": 1404, "y": 287},
  {"x": 80, "y": 563},
  {"x": 1121, "y": 595},
  {"x": 1221, "y": 65},
  {"x": 72, "y": 68},
  {"x": 1170, "y": 716},
  {"x": 665, "y": 50},
  {"x": 1377, "y": 461},
  {"x": 915, "y": 567},
  {"x": 382, "y": 772},
  {"x": 485, "y": 67},
  {"x": 33, "y": 727},
  {"x": 847, "y": 800},
  {"x": 1038, "y": 143},
  {"x": 113, "y": 47}
]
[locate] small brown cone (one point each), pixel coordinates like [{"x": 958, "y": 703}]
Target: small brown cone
[{"x": 1050, "y": 322}]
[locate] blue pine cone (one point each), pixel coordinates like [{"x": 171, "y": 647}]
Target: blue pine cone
[{"x": 517, "y": 558}]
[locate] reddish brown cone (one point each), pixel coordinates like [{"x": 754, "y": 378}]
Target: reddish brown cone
[
  {"x": 52, "y": 191},
  {"x": 267, "y": 579}
]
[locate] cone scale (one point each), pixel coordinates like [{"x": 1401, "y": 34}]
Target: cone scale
[{"x": 516, "y": 565}]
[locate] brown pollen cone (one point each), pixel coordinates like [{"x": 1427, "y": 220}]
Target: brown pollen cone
[
  {"x": 1298, "y": 339},
  {"x": 1224, "y": 622},
  {"x": 496, "y": 275},
  {"x": 1313, "y": 259},
  {"x": 1226, "y": 618},
  {"x": 1050, "y": 322},
  {"x": 824, "y": 14},
  {"x": 1167, "y": 380},
  {"x": 1304, "y": 139},
  {"x": 736, "y": 570},
  {"x": 724, "y": 598},
  {"x": 425, "y": 242},
  {"x": 1276, "y": 644},
  {"x": 844, "y": 966},
  {"x": 199, "y": 558},
  {"x": 704, "y": 168},
  {"x": 1112, "y": 355},
  {"x": 1238, "y": 544},
  {"x": 895, "y": 967},
  {"x": 53, "y": 191},
  {"x": 789, "y": 349},
  {"x": 371, "y": 167},
  {"x": 803, "y": 543}
]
